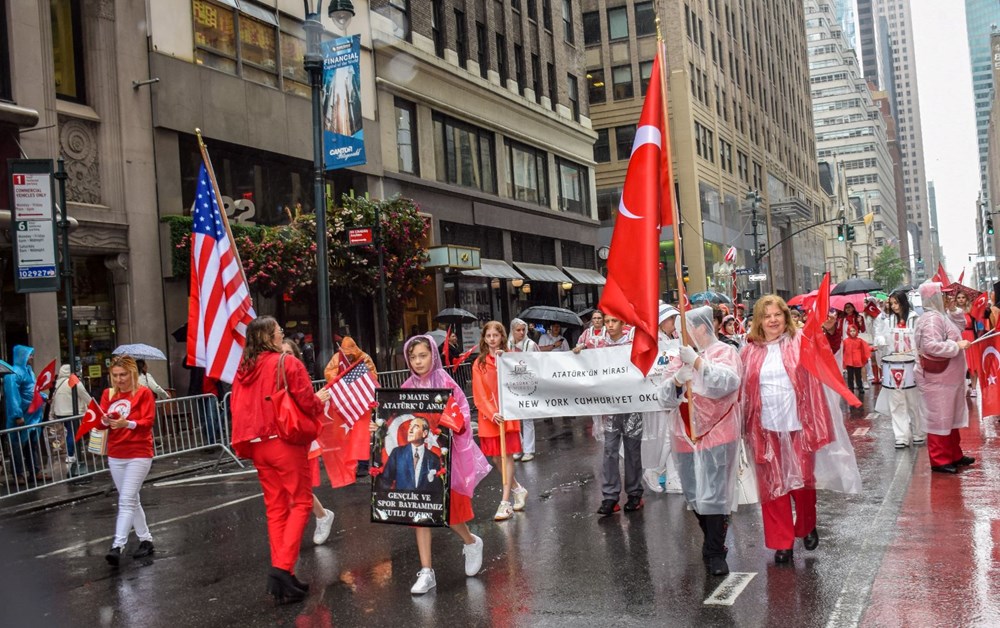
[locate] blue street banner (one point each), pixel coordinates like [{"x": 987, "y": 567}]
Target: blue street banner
[{"x": 343, "y": 135}]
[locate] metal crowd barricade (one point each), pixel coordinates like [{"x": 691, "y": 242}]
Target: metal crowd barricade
[{"x": 35, "y": 456}]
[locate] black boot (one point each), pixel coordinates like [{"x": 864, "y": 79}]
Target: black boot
[
  {"x": 714, "y": 549},
  {"x": 281, "y": 585}
]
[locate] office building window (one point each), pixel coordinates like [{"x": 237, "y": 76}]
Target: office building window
[
  {"x": 214, "y": 36},
  {"x": 536, "y": 77},
  {"x": 574, "y": 96},
  {"x": 502, "y": 59},
  {"x": 461, "y": 39},
  {"x": 567, "y": 18},
  {"x": 624, "y": 137},
  {"x": 463, "y": 154},
  {"x": 618, "y": 23},
  {"x": 602, "y": 147},
  {"x": 437, "y": 27},
  {"x": 573, "y": 187},
  {"x": 398, "y": 12},
  {"x": 645, "y": 19},
  {"x": 645, "y": 71},
  {"x": 621, "y": 82},
  {"x": 217, "y": 30},
  {"x": 519, "y": 67},
  {"x": 406, "y": 137},
  {"x": 483, "y": 49},
  {"x": 553, "y": 86},
  {"x": 258, "y": 44},
  {"x": 595, "y": 80},
  {"x": 529, "y": 174},
  {"x": 67, "y": 50},
  {"x": 5, "y": 91},
  {"x": 592, "y": 28},
  {"x": 294, "y": 77},
  {"x": 547, "y": 14}
]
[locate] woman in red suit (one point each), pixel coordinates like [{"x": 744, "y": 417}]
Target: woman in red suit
[
  {"x": 282, "y": 467},
  {"x": 130, "y": 410}
]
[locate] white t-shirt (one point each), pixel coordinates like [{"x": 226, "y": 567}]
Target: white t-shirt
[
  {"x": 778, "y": 412},
  {"x": 547, "y": 340}
]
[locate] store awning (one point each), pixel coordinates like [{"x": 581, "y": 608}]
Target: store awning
[
  {"x": 542, "y": 272},
  {"x": 493, "y": 269},
  {"x": 585, "y": 276}
]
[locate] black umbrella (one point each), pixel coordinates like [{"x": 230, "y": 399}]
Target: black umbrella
[
  {"x": 549, "y": 314},
  {"x": 855, "y": 286},
  {"x": 455, "y": 316},
  {"x": 586, "y": 314},
  {"x": 905, "y": 288}
]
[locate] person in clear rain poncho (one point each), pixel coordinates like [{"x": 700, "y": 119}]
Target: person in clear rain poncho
[{"x": 706, "y": 435}]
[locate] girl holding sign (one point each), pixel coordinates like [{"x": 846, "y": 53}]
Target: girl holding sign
[
  {"x": 468, "y": 465},
  {"x": 485, "y": 389}
]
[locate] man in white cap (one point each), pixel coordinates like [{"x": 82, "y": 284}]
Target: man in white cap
[{"x": 657, "y": 459}]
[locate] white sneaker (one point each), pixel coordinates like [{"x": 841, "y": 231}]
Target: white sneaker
[
  {"x": 527, "y": 457},
  {"x": 652, "y": 480},
  {"x": 520, "y": 498},
  {"x": 425, "y": 582},
  {"x": 504, "y": 512},
  {"x": 517, "y": 456},
  {"x": 473, "y": 557},
  {"x": 70, "y": 459},
  {"x": 323, "y": 527},
  {"x": 674, "y": 487}
]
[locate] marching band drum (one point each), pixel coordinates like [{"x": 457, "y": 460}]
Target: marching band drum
[{"x": 898, "y": 371}]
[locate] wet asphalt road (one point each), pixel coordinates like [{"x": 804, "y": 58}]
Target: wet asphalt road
[{"x": 557, "y": 564}]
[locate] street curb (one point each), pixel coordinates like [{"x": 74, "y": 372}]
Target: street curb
[{"x": 62, "y": 500}]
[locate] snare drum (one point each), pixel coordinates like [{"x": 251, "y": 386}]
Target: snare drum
[{"x": 898, "y": 371}]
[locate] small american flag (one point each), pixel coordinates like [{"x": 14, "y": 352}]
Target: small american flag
[
  {"x": 219, "y": 306},
  {"x": 352, "y": 394}
]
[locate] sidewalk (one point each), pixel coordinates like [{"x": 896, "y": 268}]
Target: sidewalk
[{"x": 941, "y": 568}]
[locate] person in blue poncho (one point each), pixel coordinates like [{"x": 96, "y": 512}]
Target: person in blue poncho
[{"x": 19, "y": 389}]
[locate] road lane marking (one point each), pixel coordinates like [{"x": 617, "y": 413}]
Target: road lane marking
[
  {"x": 852, "y": 602},
  {"x": 158, "y": 524},
  {"x": 729, "y": 589},
  {"x": 861, "y": 431},
  {"x": 205, "y": 478}
]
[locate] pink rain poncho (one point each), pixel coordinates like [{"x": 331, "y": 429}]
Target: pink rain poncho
[
  {"x": 818, "y": 454},
  {"x": 937, "y": 336},
  {"x": 708, "y": 464},
  {"x": 468, "y": 464}
]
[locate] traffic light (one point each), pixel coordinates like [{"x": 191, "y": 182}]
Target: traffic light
[
  {"x": 684, "y": 273},
  {"x": 761, "y": 250},
  {"x": 989, "y": 226},
  {"x": 840, "y": 233},
  {"x": 850, "y": 233}
]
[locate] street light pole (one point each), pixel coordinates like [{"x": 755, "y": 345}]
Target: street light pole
[{"x": 67, "y": 275}]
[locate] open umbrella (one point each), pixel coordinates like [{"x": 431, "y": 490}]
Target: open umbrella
[
  {"x": 956, "y": 287},
  {"x": 455, "y": 316},
  {"x": 799, "y": 300},
  {"x": 855, "y": 286},
  {"x": 549, "y": 314},
  {"x": 708, "y": 297},
  {"x": 585, "y": 314},
  {"x": 140, "y": 352}
]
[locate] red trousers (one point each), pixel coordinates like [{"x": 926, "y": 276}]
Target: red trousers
[
  {"x": 285, "y": 477},
  {"x": 944, "y": 449},
  {"x": 779, "y": 531}
]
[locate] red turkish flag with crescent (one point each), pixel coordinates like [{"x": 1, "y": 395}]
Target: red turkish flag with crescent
[
  {"x": 817, "y": 357},
  {"x": 91, "y": 419},
  {"x": 631, "y": 293},
  {"x": 978, "y": 309},
  {"x": 983, "y": 357},
  {"x": 43, "y": 382}
]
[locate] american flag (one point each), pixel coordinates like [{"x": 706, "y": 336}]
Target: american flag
[
  {"x": 352, "y": 394},
  {"x": 219, "y": 307}
]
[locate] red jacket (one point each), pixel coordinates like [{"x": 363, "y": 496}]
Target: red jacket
[
  {"x": 138, "y": 406},
  {"x": 857, "y": 352},
  {"x": 253, "y": 414}
]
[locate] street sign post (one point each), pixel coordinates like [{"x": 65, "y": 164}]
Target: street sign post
[
  {"x": 757, "y": 277},
  {"x": 359, "y": 236},
  {"x": 743, "y": 271},
  {"x": 34, "y": 226}
]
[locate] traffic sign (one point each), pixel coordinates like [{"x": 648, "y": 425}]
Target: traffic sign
[
  {"x": 359, "y": 236},
  {"x": 760, "y": 277},
  {"x": 743, "y": 270},
  {"x": 32, "y": 201}
]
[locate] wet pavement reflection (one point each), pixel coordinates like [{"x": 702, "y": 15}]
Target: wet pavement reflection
[{"x": 895, "y": 555}]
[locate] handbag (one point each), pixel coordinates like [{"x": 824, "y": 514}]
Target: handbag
[
  {"x": 746, "y": 479},
  {"x": 294, "y": 425},
  {"x": 933, "y": 365},
  {"x": 98, "y": 442}
]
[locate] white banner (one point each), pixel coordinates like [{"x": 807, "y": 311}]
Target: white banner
[{"x": 540, "y": 385}]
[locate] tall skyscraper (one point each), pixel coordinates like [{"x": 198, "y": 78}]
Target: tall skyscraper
[{"x": 981, "y": 18}]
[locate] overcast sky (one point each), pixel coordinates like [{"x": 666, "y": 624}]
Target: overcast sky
[{"x": 948, "y": 115}]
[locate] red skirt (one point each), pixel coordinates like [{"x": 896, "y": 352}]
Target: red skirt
[
  {"x": 460, "y": 508},
  {"x": 490, "y": 445}
]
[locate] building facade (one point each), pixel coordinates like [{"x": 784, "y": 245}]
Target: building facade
[
  {"x": 852, "y": 135},
  {"x": 740, "y": 121}
]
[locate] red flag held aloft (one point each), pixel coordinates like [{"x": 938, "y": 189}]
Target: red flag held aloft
[
  {"x": 984, "y": 358},
  {"x": 43, "y": 382},
  {"x": 941, "y": 276},
  {"x": 817, "y": 357},
  {"x": 631, "y": 293},
  {"x": 978, "y": 309}
]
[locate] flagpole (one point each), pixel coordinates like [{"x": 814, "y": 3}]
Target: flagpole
[
  {"x": 675, "y": 221},
  {"x": 222, "y": 210}
]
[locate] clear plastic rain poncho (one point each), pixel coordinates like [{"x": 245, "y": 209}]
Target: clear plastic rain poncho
[
  {"x": 657, "y": 426},
  {"x": 786, "y": 446},
  {"x": 937, "y": 336},
  {"x": 707, "y": 447}
]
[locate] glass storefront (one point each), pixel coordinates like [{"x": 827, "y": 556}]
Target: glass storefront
[{"x": 94, "y": 323}]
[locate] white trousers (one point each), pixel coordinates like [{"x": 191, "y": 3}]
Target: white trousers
[
  {"x": 905, "y": 410},
  {"x": 129, "y": 474},
  {"x": 528, "y": 437}
]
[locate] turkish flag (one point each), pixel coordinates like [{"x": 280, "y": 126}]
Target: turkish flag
[
  {"x": 451, "y": 416},
  {"x": 73, "y": 381},
  {"x": 816, "y": 356},
  {"x": 43, "y": 382},
  {"x": 872, "y": 310},
  {"x": 631, "y": 293},
  {"x": 961, "y": 276},
  {"x": 91, "y": 419},
  {"x": 941, "y": 276},
  {"x": 983, "y": 357},
  {"x": 978, "y": 309}
]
